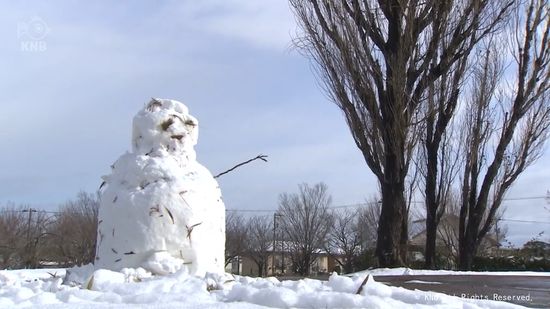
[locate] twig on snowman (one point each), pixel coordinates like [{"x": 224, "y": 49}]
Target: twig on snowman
[
  {"x": 155, "y": 209},
  {"x": 360, "y": 289},
  {"x": 190, "y": 229},
  {"x": 183, "y": 198},
  {"x": 152, "y": 106},
  {"x": 170, "y": 214},
  {"x": 259, "y": 157}
]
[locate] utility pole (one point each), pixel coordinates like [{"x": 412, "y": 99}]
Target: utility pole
[
  {"x": 281, "y": 242},
  {"x": 273, "y": 247},
  {"x": 275, "y": 215},
  {"x": 28, "y": 246}
]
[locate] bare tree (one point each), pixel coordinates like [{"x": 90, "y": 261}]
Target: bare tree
[
  {"x": 439, "y": 160},
  {"x": 306, "y": 221},
  {"x": 410, "y": 213},
  {"x": 376, "y": 60},
  {"x": 37, "y": 237},
  {"x": 260, "y": 242},
  {"x": 516, "y": 122},
  {"x": 368, "y": 219},
  {"x": 74, "y": 231},
  {"x": 448, "y": 232},
  {"x": 24, "y": 235},
  {"x": 236, "y": 236},
  {"x": 344, "y": 238},
  {"x": 13, "y": 228}
]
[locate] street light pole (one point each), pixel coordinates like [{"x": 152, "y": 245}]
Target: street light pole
[
  {"x": 28, "y": 247},
  {"x": 275, "y": 216},
  {"x": 282, "y": 255},
  {"x": 273, "y": 247}
]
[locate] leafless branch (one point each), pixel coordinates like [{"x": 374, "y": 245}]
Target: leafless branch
[{"x": 259, "y": 157}]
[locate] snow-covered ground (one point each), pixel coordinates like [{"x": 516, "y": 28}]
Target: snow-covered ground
[{"x": 137, "y": 288}]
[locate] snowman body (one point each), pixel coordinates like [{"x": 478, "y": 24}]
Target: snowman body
[{"x": 161, "y": 209}]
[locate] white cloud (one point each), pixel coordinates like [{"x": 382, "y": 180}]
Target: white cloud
[{"x": 265, "y": 24}]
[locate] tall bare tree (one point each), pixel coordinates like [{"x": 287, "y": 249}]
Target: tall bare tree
[
  {"x": 368, "y": 220},
  {"x": 344, "y": 238},
  {"x": 236, "y": 236},
  {"x": 448, "y": 233},
  {"x": 260, "y": 242},
  {"x": 13, "y": 228},
  {"x": 516, "y": 122},
  {"x": 305, "y": 221},
  {"x": 24, "y": 236},
  {"x": 74, "y": 231},
  {"x": 439, "y": 157},
  {"x": 376, "y": 60}
]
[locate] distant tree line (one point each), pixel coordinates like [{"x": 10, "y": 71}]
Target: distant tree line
[
  {"x": 32, "y": 238},
  {"x": 304, "y": 225}
]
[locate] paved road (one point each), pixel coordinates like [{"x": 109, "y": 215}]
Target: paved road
[{"x": 529, "y": 291}]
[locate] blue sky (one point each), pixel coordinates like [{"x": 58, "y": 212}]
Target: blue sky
[{"x": 66, "y": 110}]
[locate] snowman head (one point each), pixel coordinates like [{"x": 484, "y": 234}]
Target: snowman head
[{"x": 165, "y": 125}]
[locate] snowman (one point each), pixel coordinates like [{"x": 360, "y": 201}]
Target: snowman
[{"x": 161, "y": 209}]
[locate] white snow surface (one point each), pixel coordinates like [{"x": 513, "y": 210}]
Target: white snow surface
[
  {"x": 160, "y": 209},
  {"x": 138, "y": 288}
]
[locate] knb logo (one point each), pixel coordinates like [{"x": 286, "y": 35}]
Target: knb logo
[{"x": 32, "y": 34}]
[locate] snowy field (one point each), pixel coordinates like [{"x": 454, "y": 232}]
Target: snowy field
[{"x": 136, "y": 288}]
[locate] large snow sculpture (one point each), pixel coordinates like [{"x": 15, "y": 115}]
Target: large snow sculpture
[{"x": 161, "y": 209}]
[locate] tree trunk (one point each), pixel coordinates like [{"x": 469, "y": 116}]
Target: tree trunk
[
  {"x": 432, "y": 202},
  {"x": 404, "y": 241},
  {"x": 469, "y": 244},
  {"x": 466, "y": 255},
  {"x": 260, "y": 269},
  {"x": 307, "y": 263},
  {"x": 431, "y": 235},
  {"x": 348, "y": 267},
  {"x": 388, "y": 245}
]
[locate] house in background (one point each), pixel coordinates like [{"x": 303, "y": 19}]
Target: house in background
[
  {"x": 279, "y": 263},
  {"x": 447, "y": 241}
]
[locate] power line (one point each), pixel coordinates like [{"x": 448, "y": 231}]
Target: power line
[
  {"x": 355, "y": 205},
  {"x": 251, "y": 210},
  {"x": 349, "y": 205},
  {"x": 27, "y": 210},
  {"x": 525, "y": 221},
  {"x": 275, "y": 210},
  {"x": 366, "y": 204},
  {"x": 525, "y": 198}
]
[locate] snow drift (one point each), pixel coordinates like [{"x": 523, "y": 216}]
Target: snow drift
[{"x": 136, "y": 288}]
